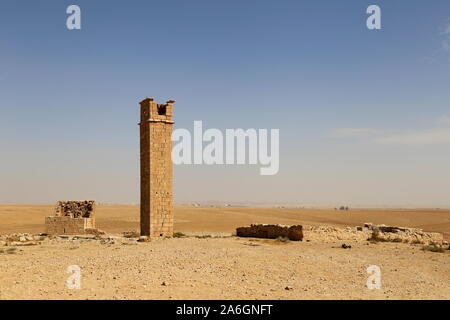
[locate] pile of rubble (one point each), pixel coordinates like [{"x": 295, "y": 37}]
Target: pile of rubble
[
  {"x": 25, "y": 239},
  {"x": 20, "y": 239},
  {"x": 402, "y": 234},
  {"x": 379, "y": 233},
  {"x": 75, "y": 209},
  {"x": 329, "y": 233}
]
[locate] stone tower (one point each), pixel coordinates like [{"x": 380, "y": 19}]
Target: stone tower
[{"x": 156, "y": 168}]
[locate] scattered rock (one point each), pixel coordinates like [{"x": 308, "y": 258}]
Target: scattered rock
[
  {"x": 251, "y": 244},
  {"x": 382, "y": 233},
  {"x": 94, "y": 231},
  {"x": 143, "y": 239},
  {"x": 379, "y": 233}
]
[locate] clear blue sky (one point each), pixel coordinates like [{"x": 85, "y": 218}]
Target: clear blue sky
[{"x": 364, "y": 116}]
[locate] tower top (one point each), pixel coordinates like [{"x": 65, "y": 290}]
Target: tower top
[
  {"x": 146, "y": 100},
  {"x": 151, "y": 111},
  {"x": 151, "y": 99}
]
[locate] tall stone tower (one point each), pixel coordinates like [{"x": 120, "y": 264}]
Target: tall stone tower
[{"x": 156, "y": 168}]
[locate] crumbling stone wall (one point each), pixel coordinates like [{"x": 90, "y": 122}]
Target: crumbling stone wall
[
  {"x": 271, "y": 231},
  {"x": 330, "y": 233},
  {"x": 75, "y": 209},
  {"x": 364, "y": 233},
  {"x": 156, "y": 168},
  {"x": 372, "y": 232},
  {"x": 72, "y": 217},
  {"x": 408, "y": 235}
]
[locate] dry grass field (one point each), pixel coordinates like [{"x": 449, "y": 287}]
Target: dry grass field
[{"x": 224, "y": 267}]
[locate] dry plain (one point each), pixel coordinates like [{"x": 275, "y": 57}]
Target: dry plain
[{"x": 224, "y": 267}]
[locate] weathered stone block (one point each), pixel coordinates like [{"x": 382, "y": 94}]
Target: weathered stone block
[{"x": 270, "y": 231}]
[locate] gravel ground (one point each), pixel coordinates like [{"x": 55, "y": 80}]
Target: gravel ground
[{"x": 222, "y": 268}]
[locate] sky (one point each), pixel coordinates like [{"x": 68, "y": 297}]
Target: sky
[{"x": 364, "y": 115}]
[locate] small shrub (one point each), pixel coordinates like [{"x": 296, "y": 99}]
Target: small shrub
[
  {"x": 433, "y": 248},
  {"x": 11, "y": 250},
  {"x": 179, "y": 235},
  {"x": 282, "y": 239},
  {"x": 205, "y": 236},
  {"x": 129, "y": 243},
  {"x": 375, "y": 237},
  {"x": 132, "y": 234}
]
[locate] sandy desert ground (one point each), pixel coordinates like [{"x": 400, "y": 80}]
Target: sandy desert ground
[
  {"x": 224, "y": 267},
  {"x": 116, "y": 219}
]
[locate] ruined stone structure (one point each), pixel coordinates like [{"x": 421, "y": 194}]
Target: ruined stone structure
[
  {"x": 72, "y": 217},
  {"x": 368, "y": 232},
  {"x": 402, "y": 234},
  {"x": 156, "y": 168},
  {"x": 271, "y": 231}
]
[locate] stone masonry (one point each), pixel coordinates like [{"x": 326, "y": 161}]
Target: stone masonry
[
  {"x": 368, "y": 232},
  {"x": 271, "y": 231},
  {"x": 72, "y": 217},
  {"x": 156, "y": 168}
]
